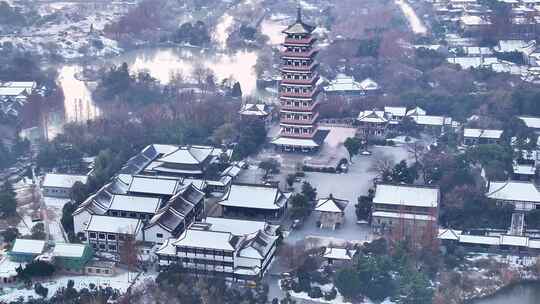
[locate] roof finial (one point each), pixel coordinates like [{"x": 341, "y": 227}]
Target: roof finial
[{"x": 299, "y": 13}]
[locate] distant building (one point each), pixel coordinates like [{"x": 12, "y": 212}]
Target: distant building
[
  {"x": 490, "y": 243},
  {"x": 108, "y": 234},
  {"x": 235, "y": 249},
  {"x": 14, "y": 95},
  {"x": 473, "y": 25},
  {"x": 182, "y": 210},
  {"x": 347, "y": 86},
  {"x": 299, "y": 91},
  {"x": 59, "y": 185},
  {"x": 531, "y": 122},
  {"x": 100, "y": 268},
  {"x": 395, "y": 114},
  {"x": 331, "y": 212},
  {"x": 524, "y": 172},
  {"x": 524, "y": 196},
  {"x": 255, "y": 201},
  {"x": 177, "y": 161},
  {"x": 416, "y": 111},
  {"x": 373, "y": 123},
  {"x": 409, "y": 208},
  {"x": 433, "y": 124},
  {"x": 472, "y": 137},
  {"x": 25, "y": 250},
  {"x": 132, "y": 196},
  {"x": 338, "y": 255},
  {"x": 71, "y": 258},
  {"x": 259, "y": 111}
]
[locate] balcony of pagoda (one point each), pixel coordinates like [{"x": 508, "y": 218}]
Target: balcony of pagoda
[
  {"x": 300, "y": 68},
  {"x": 308, "y": 81},
  {"x": 302, "y": 41},
  {"x": 292, "y": 54},
  {"x": 299, "y": 121},
  {"x": 311, "y": 94},
  {"x": 297, "y": 135},
  {"x": 300, "y": 108}
]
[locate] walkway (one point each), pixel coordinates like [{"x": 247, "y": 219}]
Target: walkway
[{"x": 417, "y": 26}]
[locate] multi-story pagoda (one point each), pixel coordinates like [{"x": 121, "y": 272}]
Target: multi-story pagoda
[{"x": 298, "y": 91}]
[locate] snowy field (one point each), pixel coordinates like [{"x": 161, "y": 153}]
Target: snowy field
[{"x": 119, "y": 281}]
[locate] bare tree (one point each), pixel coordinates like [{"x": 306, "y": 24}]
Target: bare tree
[
  {"x": 416, "y": 149},
  {"x": 382, "y": 165},
  {"x": 129, "y": 254}
]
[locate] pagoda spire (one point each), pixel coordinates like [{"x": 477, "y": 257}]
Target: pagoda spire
[{"x": 299, "y": 13}]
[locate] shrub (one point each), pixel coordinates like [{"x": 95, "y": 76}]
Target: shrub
[
  {"x": 296, "y": 287},
  {"x": 315, "y": 292},
  {"x": 332, "y": 294}
]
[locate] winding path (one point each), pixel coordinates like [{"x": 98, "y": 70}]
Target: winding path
[{"x": 416, "y": 24}]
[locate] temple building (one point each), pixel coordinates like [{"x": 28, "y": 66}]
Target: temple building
[{"x": 299, "y": 92}]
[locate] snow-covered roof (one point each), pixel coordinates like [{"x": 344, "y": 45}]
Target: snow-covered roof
[
  {"x": 406, "y": 195},
  {"x": 339, "y": 253},
  {"x": 524, "y": 169},
  {"x": 343, "y": 83},
  {"x": 514, "y": 240},
  {"x": 7, "y": 91},
  {"x": 530, "y": 121},
  {"x": 506, "y": 46},
  {"x": 299, "y": 27},
  {"x": 191, "y": 155},
  {"x": 254, "y": 109},
  {"x": 135, "y": 203},
  {"x": 232, "y": 171},
  {"x": 479, "y": 239},
  {"x": 482, "y": 133},
  {"x": 369, "y": 84},
  {"x": 68, "y": 250},
  {"x": 430, "y": 120},
  {"x": 205, "y": 239},
  {"x": 111, "y": 224},
  {"x": 396, "y": 111},
  {"x": 297, "y": 142},
  {"x": 404, "y": 215},
  {"x": 28, "y": 246},
  {"x": 153, "y": 185},
  {"x": 372, "y": 116},
  {"x": 167, "y": 248},
  {"x": 473, "y": 62},
  {"x": 254, "y": 196},
  {"x": 63, "y": 180},
  {"x": 449, "y": 234},
  {"x": 473, "y": 20},
  {"x": 416, "y": 111},
  {"x": 513, "y": 191},
  {"x": 331, "y": 204},
  {"x": 234, "y": 226}
]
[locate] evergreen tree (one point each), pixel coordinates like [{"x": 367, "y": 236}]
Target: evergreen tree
[{"x": 8, "y": 201}]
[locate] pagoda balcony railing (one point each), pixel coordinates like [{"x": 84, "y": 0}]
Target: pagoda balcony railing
[
  {"x": 297, "y": 135},
  {"x": 301, "y": 81},
  {"x": 311, "y": 121},
  {"x": 300, "y": 41},
  {"x": 310, "y": 67},
  {"x": 292, "y": 54},
  {"x": 300, "y": 108},
  {"x": 299, "y": 95}
]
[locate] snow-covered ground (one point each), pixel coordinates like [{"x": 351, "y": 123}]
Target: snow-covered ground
[
  {"x": 121, "y": 281},
  {"x": 75, "y": 31},
  {"x": 54, "y": 214},
  {"x": 417, "y": 26}
]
